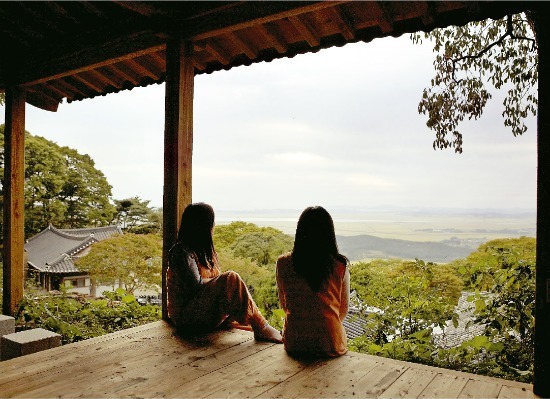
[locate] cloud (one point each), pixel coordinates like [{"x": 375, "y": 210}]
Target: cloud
[
  {"x": 364, "y": 179},
  {"x": 298, "y": 157}
]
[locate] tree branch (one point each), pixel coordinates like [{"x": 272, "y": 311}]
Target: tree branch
[{"x": 509, "y": 33}]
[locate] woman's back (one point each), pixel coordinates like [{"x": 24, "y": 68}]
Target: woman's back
[{"x": 313, "y": 323}]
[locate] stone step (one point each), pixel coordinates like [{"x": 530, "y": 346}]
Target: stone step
[
  {"x": 7, "y": 326},
  {"x": 26, "y": 342}
]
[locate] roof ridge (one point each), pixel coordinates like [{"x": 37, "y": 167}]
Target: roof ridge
[
  {"x": 100, "y": 228},
  {"x": 83, "y": 244},
  {"x": 60, "y": 258},
  {"x": 63, "y": 233}
]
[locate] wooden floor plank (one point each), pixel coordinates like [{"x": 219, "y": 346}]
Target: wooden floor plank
[
  {"x": 410, "y": 384},
  {"x": 444, "y": 386},
  {"x": 327, "y": 383},
  {"x": 264, "y": 378},
  {"x": 150, "y": 361},
  {"x": 164, "y": 362},
  {"x": 169, "y": 381},
  {"x": 252, "y": 376},
  {"x": 480, "y": 389},
  {"x": 515, "y": 393},
  {"x": 124, "y": 367},
  {"x": 289, "y": 388},
  {"x": 223, "y": 370},
  {"x": 104, "y": 345},
  {"x": 375, "y": 382},
  {"x": 39, "y": 374}
]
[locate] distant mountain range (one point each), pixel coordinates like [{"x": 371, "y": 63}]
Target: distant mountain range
[{"x": 368, "y": 247}]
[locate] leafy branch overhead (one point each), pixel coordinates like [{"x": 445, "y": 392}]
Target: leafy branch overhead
[{"x": 502, "y": 53}]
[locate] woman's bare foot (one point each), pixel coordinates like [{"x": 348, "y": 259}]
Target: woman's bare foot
[{"x": 269, "y": 334}]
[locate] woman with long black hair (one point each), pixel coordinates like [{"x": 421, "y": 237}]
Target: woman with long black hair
[
  {"x": 313, "y": 284},
  {"x": 200, "y": 297}
]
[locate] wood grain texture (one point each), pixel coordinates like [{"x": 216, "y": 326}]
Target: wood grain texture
[{"x": 151, "y": 361}]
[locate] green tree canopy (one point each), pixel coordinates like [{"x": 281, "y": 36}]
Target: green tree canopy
[
  {"x": 247, "y": 240},
  {"x": 502, "y": 53},
  {"x": 478, "y": 268},
  {"x": 502, "y": 274},
  {"x": 134, "y": 261},
  {"x": 412, "y": 295},
  {"x": 135, "y": 216},
  {"x": 62, "y": 187}
]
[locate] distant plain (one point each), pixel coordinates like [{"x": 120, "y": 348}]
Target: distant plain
[
  {"x": 413, "y": 225},
  {"x": 434, "y": 235}
]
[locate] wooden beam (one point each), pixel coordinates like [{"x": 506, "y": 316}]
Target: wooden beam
[
  {"x": 88, "y": 82},
  {"x": 428, "y": 11},
  {"x": 384, "y": 19},
  {"x": 52, "y": 88},
  {"x": 14, "y": 199},
  {"x": 247, "y": 49},
  {"x": 142, "y": 70},
  {"x": 42, "y": 99},
  {"x": 273, "y": 38},
  {"x": 178, "y": 144},
  {"x": 69, "y": 87},
  {"x": 344, "y": 24},
  {"x": 541, "y": 384},
  {"x": 106, "y": 80},
  {"x": 218, "y": 52},
  {"x": 248, "y": 14},
  {"x": 160, "y": 60},
  {"x": 126, "y": 76},
  {"x": 146, "y": 9},
  {"x": 306, "y": 30},
  {"x": 93, "y": 57}
]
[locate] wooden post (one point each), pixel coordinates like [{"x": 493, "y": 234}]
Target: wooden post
[
  {"x": 178, "y": 144},
  {"x": 14, "y": 198},
  {"x": 541, "y": 385}
]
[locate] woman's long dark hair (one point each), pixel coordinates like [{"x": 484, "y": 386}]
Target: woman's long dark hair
[
  {"x": 315, "y": 249},
  {"x": 195, "y": 232}
]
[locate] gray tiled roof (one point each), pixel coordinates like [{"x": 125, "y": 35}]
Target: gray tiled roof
[
  {"x": 52, "y": 249},
  {"x": 100, "y": 233},
  {"x": 449, "y": 337},
  {"x": 452, "y": 336},
  {"x": 354, "y": 324}
]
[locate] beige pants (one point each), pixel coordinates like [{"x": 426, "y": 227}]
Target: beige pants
[{"x": 223, "y": 299}]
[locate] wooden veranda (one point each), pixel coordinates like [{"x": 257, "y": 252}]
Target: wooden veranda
[
  {"x": 56, "y": 50},
  {"x": 151, "y": 361}
]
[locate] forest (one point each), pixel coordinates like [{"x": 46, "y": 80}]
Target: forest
[{"x": 413, "y": 299}]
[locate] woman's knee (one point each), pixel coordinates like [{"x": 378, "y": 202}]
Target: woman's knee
[
  {"x": 232, "y": 278},
  {"x": 234, "y": 283}
]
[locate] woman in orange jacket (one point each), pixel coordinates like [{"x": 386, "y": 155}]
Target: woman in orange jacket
[
  {"x": 200, "y": 296},
  {"x": 313, "y": 282}
]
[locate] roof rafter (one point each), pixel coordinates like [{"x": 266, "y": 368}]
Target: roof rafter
[
  {"x": 238, "y": 42},
  {"x": 343, "y": 22},
  {"x": 252, "y": 14},
  {"x": 274, "y": 38},
  {"x": 385, "y": 21},
  {"x": 306, "y": 30}
]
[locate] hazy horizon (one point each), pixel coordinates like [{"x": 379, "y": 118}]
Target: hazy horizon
[{"x": 403, "y": 223}]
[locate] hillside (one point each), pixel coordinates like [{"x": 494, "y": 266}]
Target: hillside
[{"x": 366, "y": 246}]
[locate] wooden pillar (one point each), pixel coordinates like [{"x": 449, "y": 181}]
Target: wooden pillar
[
  {"x": 178, "y": 144},
  {"x": 14, "y": 197},
  {"x": 542, "y": 297}
]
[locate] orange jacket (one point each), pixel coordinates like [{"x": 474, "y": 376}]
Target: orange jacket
[{"x": 313, "y": 323}]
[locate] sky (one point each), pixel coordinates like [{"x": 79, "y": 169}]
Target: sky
[{"x": 337, "y": 128}]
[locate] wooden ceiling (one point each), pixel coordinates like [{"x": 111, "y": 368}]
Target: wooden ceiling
[{"x": 74, "y": 50}]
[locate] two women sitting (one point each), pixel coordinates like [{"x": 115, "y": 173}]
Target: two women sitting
[{"x": 312, "y": 281}]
